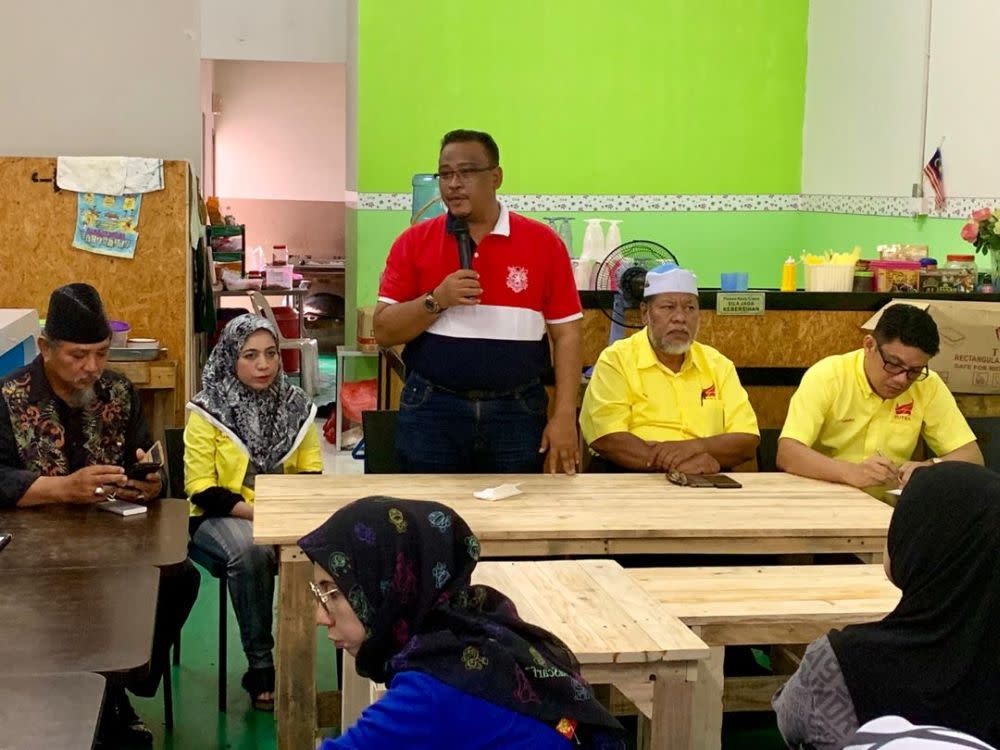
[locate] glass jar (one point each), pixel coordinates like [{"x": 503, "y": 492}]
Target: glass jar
[{"x": 967, "y": 262}]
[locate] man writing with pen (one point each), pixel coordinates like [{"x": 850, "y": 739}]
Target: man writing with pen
[
  {"x": 661, "y": 401},
  {"x": 857, "y": 417}
]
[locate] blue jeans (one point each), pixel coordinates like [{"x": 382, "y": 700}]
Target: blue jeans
[
  {"x": 440, "y": 432},
  {"x": 251, "y": 569}
]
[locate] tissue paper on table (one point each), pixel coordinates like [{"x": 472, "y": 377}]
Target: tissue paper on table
[{"x": 497, "y": 493}]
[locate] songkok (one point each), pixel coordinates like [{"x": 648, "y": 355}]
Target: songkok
[
  {"x": 669, "y": 277},
  {"x": 76, "y": 314}
]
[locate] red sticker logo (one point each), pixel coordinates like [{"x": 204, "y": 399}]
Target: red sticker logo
[
  {"x": 708, "y": 392},
  {"x": 904, "y": 410}
]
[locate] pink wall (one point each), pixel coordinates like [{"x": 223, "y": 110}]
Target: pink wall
[
  {"x": 313, "y": 228},
  {"x": 281, "y": 132}
]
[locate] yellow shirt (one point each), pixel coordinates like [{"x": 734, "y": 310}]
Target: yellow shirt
[
  {"x": 213, "y": 459},
  {"x": 632, "y": 391},
  {"x": 834, "y": 411}
]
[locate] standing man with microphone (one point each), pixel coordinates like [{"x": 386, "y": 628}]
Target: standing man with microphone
[{"x": 472, "y": 295}]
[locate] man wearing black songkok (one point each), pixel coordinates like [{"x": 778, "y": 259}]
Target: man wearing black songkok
[{"x": 69, "y": 431}]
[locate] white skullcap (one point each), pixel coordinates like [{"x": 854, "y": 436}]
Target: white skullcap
[{"x": 669, "y": 277}]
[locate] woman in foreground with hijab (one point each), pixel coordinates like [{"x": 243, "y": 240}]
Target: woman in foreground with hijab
[
  {"x": 464, "y": 672},
  {"x": 247, "y": 420},
  {"x": 934, "y": 659}
]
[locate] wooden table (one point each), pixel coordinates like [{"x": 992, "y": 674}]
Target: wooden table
[
  {"x": 74, "y": 536},
  {"x": 759, "y": 605},
  {"x": 589, "y": 514},
  {"x": 77, "y": 620},
  {"x": 156, "y": 382},
  {"x": 620, "y": 634},
  {"x": 41, "y": 712}
]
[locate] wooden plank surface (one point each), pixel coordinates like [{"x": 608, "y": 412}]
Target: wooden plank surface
[
  {"x": 772, "y": 604},
  {"x": 597, "y": 507},
  {"x": 595, "y": 607}
]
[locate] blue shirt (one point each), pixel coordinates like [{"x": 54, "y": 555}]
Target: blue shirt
[{"x": 421, "y": 713}]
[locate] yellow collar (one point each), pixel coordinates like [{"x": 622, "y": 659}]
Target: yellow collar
[{"x": 646, "y": 356}]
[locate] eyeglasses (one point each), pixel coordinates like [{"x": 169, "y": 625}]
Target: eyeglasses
[
  {"x": 913, "y": 374},
  {"x": 464, "y": 174},
  {"x": 323, "y": 597}
]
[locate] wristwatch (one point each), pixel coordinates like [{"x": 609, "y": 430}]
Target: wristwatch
[{"x": 431, "y": 305}]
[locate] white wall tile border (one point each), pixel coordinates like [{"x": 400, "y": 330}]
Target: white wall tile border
[{"x": 864, "y": 205}]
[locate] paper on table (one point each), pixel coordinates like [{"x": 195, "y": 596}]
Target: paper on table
[{"x": 497, "y": 493}]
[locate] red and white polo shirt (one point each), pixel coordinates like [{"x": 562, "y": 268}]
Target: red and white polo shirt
[{"x": 500, "y": 343}]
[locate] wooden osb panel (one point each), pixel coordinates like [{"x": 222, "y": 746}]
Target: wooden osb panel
[
  {"x": 149, "y": 291},
  {"x": 779, "y": 338},
  {"x": 783, "y": 338}
]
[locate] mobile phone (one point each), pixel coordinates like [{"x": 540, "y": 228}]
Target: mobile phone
[
  {"x": 121, "y": 507},
  {"x": 688, "y": 480},
  {"x": 5, "y": 540},
  {"x": 723, "y": 482},
  {"x": 140, "y": 470}
]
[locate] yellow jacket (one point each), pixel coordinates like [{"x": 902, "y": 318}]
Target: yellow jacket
[{"x": 213, "y": 459}]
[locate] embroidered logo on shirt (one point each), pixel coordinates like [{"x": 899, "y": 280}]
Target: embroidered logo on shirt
[
  {"x": 708, "y": 392},
  {"x": 904, "y": 411},
  {"x": 517, "y": 278},
  {"x": 567, "y": 728}
]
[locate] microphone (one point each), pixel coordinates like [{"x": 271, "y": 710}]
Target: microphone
[{"x": 460, "y": 228}]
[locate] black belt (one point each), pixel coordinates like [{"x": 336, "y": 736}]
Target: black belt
[{"x": 481, "y": 395}]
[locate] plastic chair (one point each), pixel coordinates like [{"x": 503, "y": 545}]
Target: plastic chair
[
  {"x": 217, "y": 567},
  {"x": 308, "y": 348}
]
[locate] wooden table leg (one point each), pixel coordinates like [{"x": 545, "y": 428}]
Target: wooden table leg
[
  {"x": 356, "y": 694},
  {"x": 673, "y": 694},
  {"x": 706, "y": 729},
  {"x": 295, "y": 698}
]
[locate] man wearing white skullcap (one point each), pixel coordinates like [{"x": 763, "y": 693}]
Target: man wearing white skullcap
[{"x": 659, "y": 400}]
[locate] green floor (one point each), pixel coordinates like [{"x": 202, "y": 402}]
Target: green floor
[{"x": 197, "y": 722}]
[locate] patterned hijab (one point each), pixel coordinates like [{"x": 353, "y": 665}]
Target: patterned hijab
[
  {"x": 269, "y": 424},
  {"x": 405, "y": 567},
  {"x": 934, "y": 659}
]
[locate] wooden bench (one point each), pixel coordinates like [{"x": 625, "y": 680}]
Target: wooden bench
[
  {"x": 620, "y": 634},
  {"x": 731, "y": 606}
]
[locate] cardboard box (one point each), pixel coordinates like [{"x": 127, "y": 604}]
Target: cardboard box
[{"x": 969, "y": 360}]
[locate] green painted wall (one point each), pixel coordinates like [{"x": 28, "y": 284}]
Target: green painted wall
[
  {"x": 842, "y": 231},
  {"x": 588, "y": 96}
]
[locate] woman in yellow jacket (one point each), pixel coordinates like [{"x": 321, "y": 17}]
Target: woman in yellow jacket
[{"x": 248, "y": 419}]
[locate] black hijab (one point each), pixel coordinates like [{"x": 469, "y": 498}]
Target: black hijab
[
  {"x": 935, "y": 658},
  {"x": 405, "y": 567}
]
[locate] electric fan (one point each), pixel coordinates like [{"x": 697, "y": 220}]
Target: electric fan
[{"x": 623, "y": 272}]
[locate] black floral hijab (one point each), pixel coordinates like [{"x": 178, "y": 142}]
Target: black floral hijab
[
  {"x": 405, "y": 567},
  {"x": 934, "y": 659},
  {"x": 269, "y": 424}
]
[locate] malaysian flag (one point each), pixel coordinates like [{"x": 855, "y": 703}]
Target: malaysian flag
[{"x": 934, "y": 172}]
